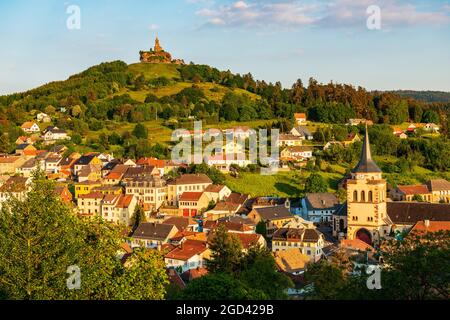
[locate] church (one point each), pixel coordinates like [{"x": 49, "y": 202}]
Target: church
[
  {"x": 369, "y": 215},
  {"x": 158, "y": 55}
]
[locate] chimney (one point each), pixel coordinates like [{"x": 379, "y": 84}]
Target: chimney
[{"x": 426, "y": 223}]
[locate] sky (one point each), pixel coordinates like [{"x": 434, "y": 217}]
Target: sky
[{"x": 275, "y": 40}]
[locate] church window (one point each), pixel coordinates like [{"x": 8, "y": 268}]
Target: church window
[
  {"x": 363, "y": 196},
  {"x": 370, "y": 196},
  {"x": 355, "y": 196}
]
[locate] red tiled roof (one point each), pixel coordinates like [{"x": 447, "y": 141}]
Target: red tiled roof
[
  {"x": 356, "y": 244},
  {"x": 190, "y": 196},
  {"x": 300, "y": 115},
  {"x": 415, "y": 189},
  {"x": 248, "y": 240},
  {"x": 92, "y": 195},
  {"x": 433, "y": 226},
  {"x": 192, "y": 274},
  {"x": 124, "y": 201},
  {"x": 187, "y": 250}
]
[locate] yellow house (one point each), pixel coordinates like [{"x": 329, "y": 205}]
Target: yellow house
[
  {"x": 85, "y": 187},
  {"x": 186, "y": 183},
  {"x": 350, "y": 139},
  {"x": 10, "y": 164},
  {"x": 192, "y": 204},
  {"x": 274, "y": 217}
]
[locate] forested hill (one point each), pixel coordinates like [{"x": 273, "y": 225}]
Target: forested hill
[
  {"x": 121, "y": 93},
  {"x": 425, "y": 96}
]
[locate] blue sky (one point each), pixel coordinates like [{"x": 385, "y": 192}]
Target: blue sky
[{"x": 273, "y": 39}]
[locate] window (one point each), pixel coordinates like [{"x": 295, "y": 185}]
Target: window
[
  {"x": 355, "y": 196},
  {"x": 363, "y": 196},
  {"x": 370, "y": 196}
]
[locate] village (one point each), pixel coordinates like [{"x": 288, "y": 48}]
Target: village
[{"x": 182, "y": 212}]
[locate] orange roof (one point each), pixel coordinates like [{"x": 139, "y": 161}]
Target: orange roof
[
  {"x": 300, "y": 115},
  {"x": 412, "y": 190},
  {"x": 124, "y": 201},
  {"x": 151, "y": 162},
  {"x": 433, "y": 226},
  {"x": 356, "y": 244},
  {"x": 189, "y": 235},
  {"x": 190, "y": 196},
  {"x": 114, "y": 175},
  {"x": 28, "y": 125},
  {"x": 248, "y": 239},
  {"x": 187, "y": 250},
  {"x": 9, "y": 159}
]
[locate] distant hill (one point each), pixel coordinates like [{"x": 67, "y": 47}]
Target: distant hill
[{"x": 425, "y": 96}]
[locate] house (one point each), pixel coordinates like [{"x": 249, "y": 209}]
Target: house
[
  {"x": 249, "y": 240},
  {"x": 43, "y": 117},
  {"x": 300, "y": 118},
  {"x": 309, "y": 241},
  {"x": 9, "y": 164},
  {"x": 64, "y": 194},
  {"x": 435, "y": 190},
  {"x": 118, "y": 208},
  {"x": 30, "y": 166},
  {"x": 190, "y": 254},
  {"x": 159, "y": 165},
  {"x": 86, "y": 160},
  {"x": 16, "y": 187},
  {"x": 289, "y": 140},
  {"x": 233, "y": 224},
  {"x": 431, "y": 127},
  {"x": 30, "y": 127},
  {"x": 319, "y": 207},
  {"x": 183, "y": 223},
  {"x": 53, "y": 134},
  {"x": 92, "y": 172},
  {"x": 85, "y": 187},
  {"x": 152, "y": 235},
  {"x": 186, "y": 182},
  {"x": 26, "y": 150},
  {"x": 302, "y": 132},
  {"x": 58, "y": 149},
  {"x": 191, "y": 204},
  {"x": 350, "y": 139},
  {"x": 402, "y": 135},
  {"x": 90, "y": 205},
  {"x": 426, "y": 226},
  {"x": 217, "y": 192},
  {"x": 329, "y": 145},
  {"x": 298, "y": 153},
  {"x": 356, "y": 122},
  {"x": 193, "y": 274},
  {"x": 139, "y": 172},
  {"x": 408, "y": 193},
  {"x": 232, "y": 205},
  {"x": 149, "y": 190},
  {"x": 52, "y": 164},
  {"x": 223, "y": 162},
  {"x": 292, "y": 261},
  {"x": 273, "y": 217},
  {"x": 114, "y": 176},
  {"x": 440, "y": 189},
  {"x": 397, "y": 131},
  {"x": 26, "y": 140}
]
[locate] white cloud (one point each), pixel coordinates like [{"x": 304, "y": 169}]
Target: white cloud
[
  {"x": 153, "y": 27},
  {"x": 333, "y": 13}
]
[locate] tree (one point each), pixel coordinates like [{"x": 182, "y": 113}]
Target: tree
[
  {"x": 40, "y": 238},
  {"x": 315, "y": 183},
  {"x": 430, "y": 116},
  {"x": 259, "y": 272},
  {"x": 226, "y": 252},
  {"x": 140, "y": 131},
  {"x": 50, "y": 109},
  {"x": 328, "y": 279},
  {"x": 261, "y": 228},
  {"x": 417, "y": 197},
  {"x": 138, "y": 217}
]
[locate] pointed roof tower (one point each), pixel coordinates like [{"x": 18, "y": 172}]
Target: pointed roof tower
[{"x": 366, "y": 163}]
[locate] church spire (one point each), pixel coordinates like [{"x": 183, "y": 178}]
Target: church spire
[{"x": 366, "y": 163}]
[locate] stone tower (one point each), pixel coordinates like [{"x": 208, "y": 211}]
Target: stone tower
[
  {"x": 158, "y": 47},
  {"x": 367, "y": 217}
]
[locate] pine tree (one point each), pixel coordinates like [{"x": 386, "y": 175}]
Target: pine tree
[{"x": 226, "y": 253}]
